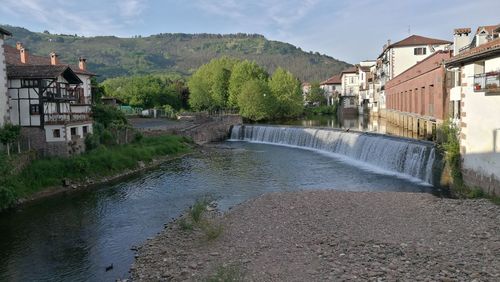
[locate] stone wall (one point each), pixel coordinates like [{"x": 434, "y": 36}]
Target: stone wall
[
  {"x": 33, "y": 138},
  {"x": 217, "y": 129},
  {"x": 488, "y": 184}
]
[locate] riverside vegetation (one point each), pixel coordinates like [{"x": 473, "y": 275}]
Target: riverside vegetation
[
  {"x": 449, "y": 145},
  {"x": 104, "y": 157}
]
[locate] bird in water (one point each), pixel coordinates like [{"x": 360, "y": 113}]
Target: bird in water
[{"x": 109, "y": 267}]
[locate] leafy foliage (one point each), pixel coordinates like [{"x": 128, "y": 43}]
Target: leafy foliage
[
  {"x": 286, "y": 89},
  {"x": 316, "y": 95},
  {"x": 111, "y": 56},
  {"x": 242, "y": 73},
  {"x": 147, "y": 91},
  {"x": 256, "y": 101},
  {"x": 108, "y": 115}
]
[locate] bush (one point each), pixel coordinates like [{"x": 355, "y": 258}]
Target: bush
[
  {"x": 108, "y": 115},
  {"x": 197, "y": 210},
  {"x": 138, "y": 137}
]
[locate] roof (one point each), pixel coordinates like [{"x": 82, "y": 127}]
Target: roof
[
  {"x": 462, "y": 30},
  {"x": 418, "y": 40},
  {"x": 13, "y": 58},
  {"x": 5, "y": 32},
  {"x": 353, "y": 69},
  {"x": 484, "y": 50},
  {"x": 43, "y": 71},
  {"x": 364, "y": 69},
  {"x": 336, "y": 79},
  {"x": 488, "y": 28}
]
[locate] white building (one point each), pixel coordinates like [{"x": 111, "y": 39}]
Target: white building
[
  {"x": 332, "y": 88},
  {"x": 50, "y": 100},
  {"x": 364, "y": 78},
  {"x": 349, "y": 94},
  {"x": 400, "y": 56},
  {"x": 475, "y": 97},
  {"x": 4, "y": 108}
]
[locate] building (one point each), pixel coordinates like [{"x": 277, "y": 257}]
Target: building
[
  {"x": 476, "y": 95},
  {"x": 332, "y": 88},
  {"x": 418, "y": 99},
  {"x": 50, "y": 100},
  {"x": 364, "y": 80},
  {"x": 4, "y": 107},
  {"x": 349, "y": 94},
  {"x": 306, "y": 88},
  {"x": 400, "y": 56}
]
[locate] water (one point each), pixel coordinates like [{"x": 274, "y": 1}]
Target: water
[
  {"x": 74, "y": 237},
  {"x": 380, "y": 153}
]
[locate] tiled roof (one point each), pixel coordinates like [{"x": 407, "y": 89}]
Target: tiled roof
[
  {"x": 462, "y": 30},
  {"x": 4, "y": 31},
  {"x": 492, "y": 47},
  {"x": 489, "y": 28},
  {"x": 364, "y": 69},
  {"x": 419, "y": 40},
  {"x": 13, "y": 58},
  {"x": 42, "y": 71},
  {"x": 351, "y": 70},
  {"x": 336, "y": 79}
]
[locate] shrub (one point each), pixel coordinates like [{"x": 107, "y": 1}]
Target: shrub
[{"x": 197, "y": 210}]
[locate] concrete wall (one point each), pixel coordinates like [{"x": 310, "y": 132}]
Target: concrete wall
[
  {"x": 480, "y": 132},
  {"x": 421, "y": 89},
  {"x": 3, "y": 86}
]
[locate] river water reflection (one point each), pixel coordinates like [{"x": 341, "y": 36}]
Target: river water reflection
[
  {"x": 359, "y": 123},
  {"x": 75, "y": 237}
]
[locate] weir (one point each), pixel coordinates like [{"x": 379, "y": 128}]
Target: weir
[{"x": 408, "y": 157}]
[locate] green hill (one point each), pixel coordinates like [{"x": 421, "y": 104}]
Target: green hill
[{"x": 110, "y": 56}]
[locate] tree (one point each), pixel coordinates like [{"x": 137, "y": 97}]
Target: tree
[
  {"x": 208, "y": 86},
  {"x": 286, "y": 89},
  {"x": 243, "y": 72},
  {"x": 255, "y": 100},
  {"x": 8, "y": 134},
  {"x": 316, "y": 95}
]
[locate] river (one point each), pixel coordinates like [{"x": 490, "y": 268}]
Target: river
[{"x": 75, "y": 237}]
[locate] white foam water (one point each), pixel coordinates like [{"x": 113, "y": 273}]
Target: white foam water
[{"x": 383, "y": 154}]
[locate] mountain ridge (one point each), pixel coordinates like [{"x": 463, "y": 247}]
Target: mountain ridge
[{"x": 112, "y": 56}]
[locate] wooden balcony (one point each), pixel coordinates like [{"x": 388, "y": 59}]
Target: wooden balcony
[
  {"x": 63, "y": 91},
  {"x": 66, "y": 118}
]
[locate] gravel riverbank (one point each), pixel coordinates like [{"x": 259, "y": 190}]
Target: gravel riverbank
[{"x": 332, "y": 235}]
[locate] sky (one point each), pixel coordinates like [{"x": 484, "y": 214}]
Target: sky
[{"x": 347, "y": 30}]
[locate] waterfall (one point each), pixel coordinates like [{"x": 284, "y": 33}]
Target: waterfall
[{"x": 400, "y": 156}]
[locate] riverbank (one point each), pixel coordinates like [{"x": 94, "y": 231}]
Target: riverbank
[
  {"x": 47, "y": 177},
  {"x": 332, "y": 235}
]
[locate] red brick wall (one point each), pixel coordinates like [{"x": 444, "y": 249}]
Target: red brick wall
[{"x": 421, "y": 89}]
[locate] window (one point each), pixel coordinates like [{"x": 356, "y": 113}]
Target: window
[
  {"x": 73, "y": 131},
  {"x": 34, "y": 109},
  {"x": 56, "y": 133},
  {"x": 419, "y": 51},
  {"x": 29, "y": 83},
  {"x": 85, "y": 130}
]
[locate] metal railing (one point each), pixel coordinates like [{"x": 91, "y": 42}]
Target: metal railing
[
  {"x": 487, "y": 82},
  {"x": 63, "y": 118}
]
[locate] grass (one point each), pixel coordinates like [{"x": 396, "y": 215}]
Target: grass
[
  {"x": 211, "y": 229},
  {"x": 101, "y": 162},
  {"x": 226, "y": 274},
  {"x": 197, "y": 210}
]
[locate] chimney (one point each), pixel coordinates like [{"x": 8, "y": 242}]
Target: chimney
[
  {"x": 460, "y": 39},
  {"x": 54, "y": 59},
  {"x": 19, "y": 46},
  {"x": 24, "y": 55},
  {"x": 82, "y": 63}
]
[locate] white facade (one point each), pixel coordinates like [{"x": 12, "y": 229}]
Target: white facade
[
  {"x": 4, "y": 114},
  {"x": 399, "y": 59},
  {"x": 350, "y": 84}
]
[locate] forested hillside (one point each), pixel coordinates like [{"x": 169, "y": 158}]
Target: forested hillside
[{"x": 110, "y": 56}]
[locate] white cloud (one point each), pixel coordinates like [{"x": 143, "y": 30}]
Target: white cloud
[{"x": 70, "y": 17}]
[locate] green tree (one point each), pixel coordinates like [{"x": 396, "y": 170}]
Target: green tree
[
  {"x": 256, "y": 101},
  {"x": 208, "y": 86},
  {"x": 243, "y": 72},
  {"x": 8, "y": 134},
  {"x": 316, "y": 95},
  {"x": 286, "y": 89}
]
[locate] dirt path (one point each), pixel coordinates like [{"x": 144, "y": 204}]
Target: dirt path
[{"x": 336, "y": 236}]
